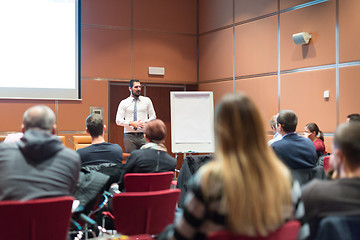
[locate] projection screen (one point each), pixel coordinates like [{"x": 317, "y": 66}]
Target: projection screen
[{"x": 39, "y": 49}]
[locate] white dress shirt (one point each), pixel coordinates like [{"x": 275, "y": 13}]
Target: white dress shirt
[
  {"x": 276, "y": 138},
  {"x": 125, "y": 112}
]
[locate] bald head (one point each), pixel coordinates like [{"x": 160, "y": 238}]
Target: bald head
[
  {"x": 155, "y": 130},
  {"x": 39, "y": 117}
]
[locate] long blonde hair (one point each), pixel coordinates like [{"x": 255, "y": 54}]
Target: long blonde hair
[{"x": 256, "y": 184}]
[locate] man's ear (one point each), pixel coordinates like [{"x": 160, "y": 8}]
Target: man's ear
[
  {"x": 340, "y": 157},
  {"x": 22, "y": 128},
  {"x": 336, "y": 159},
  {"x": 53, "y": 131},
  {"x": 146, "y": 139},
  {"x": 130, "y": 89},
  {"x": 87, "y": 130},
  {"x": 104, "y": 129}
]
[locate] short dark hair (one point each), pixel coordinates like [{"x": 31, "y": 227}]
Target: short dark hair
[
  {"x": 155, "y": 130},
  {"x": 131, "y": 83},
  {"x": 354, "y": 117},
  {"x": 40, "y": 117},
  {"x": 347, "y": 140},
  {"x": 95, "y": 125},
  {"x": 288, "y": 120}
]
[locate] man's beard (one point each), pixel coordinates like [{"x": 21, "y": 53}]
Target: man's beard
[{"x": 136, "y": 93}]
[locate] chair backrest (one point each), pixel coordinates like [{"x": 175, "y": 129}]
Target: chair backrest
[
  {"x": 339, "y": 227},
  {"x": 125, "y": 156},
  {"x": 39, "y": 219},
  {"x": 62, "y": 138},
  {"x": 190, "y": 166},
  {"x": 326, "y": 163},
  {"x": 307, "y": 174},
  {"x": 144, "y": 212},
  {"x": 81, "y": 141},
  {"x": 289, "y": 231},
  {"x": 144, "y": 182}
]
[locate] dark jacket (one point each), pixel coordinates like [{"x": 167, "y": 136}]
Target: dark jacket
[
  {"x": 148, "y": 161},
  {"x": 189, "y": 167},
  {"x": 296, "y": 152}
]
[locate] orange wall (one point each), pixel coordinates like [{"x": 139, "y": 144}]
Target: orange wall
[
  {"x": 248, "y": 45},
  {"x": 120, "y": 39},
  {"x": 243, "y": 45}
]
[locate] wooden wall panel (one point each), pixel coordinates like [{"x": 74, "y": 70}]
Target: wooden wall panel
[
  {"x": 328, "y": 144},
  {"x": 72, "y": 114},
  {"x": 303, "y": 93},
  {"x": 118, "y": 92},
  {"x": 349, "y": 97},
  {"x": 256, "y": 47},
  {"x": 171, "y": 16},
  {"x": 319, "y": 21},
  {"x": 219, "y": 89},
  {"x": 105, "y": 53},
  {"x": 349, "y": 34},
  {"x": 288, "y": 4},
  {"x": 214, "y": 14},
  {"x": 264, "y": 92},
  {"x": 215, "y": 55},
  {"x": 111, "y": 12},
  {"x": 177, "y": 53},
  {"x": 13, "y": 111},
  {"x": 245, "y": 9}
]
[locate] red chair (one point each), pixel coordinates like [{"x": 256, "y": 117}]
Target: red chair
[
  {"x": 144, "y": 212},
  {"x": 144, "y": 182},
  {"x": 289, "y": 231},
  {"x": 40, "y": 219},
  {"x": 326, "y": 163}
]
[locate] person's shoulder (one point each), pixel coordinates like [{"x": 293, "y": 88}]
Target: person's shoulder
[
  {"x": 145, "y": 99},
  {"x": 114, "y": 146},
  {"x": 278, "y": 143},
  {"x": 316, "y": 187},
  {"x": 84, "y": 149},
  {"x": 137, "y": 153},
  {"x": 8, "y": 145},
  {"x": 125, "y": 100},
  {"x": 169, "y": 157},
  {"x": 70, "y": 154}
]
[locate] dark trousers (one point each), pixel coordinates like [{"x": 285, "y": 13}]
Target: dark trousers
[{"x": 133, "y": 141}]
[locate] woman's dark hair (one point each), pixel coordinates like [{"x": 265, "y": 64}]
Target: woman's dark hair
[{"x": 314, "y": 128}]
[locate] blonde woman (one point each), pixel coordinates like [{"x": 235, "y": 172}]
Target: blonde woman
[{"x": 246, "y": 189}]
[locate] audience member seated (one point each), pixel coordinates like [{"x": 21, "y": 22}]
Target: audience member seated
[
  {"x": 295, "y": 151},
  {"x": 277, "y": 135},
  {"x": 313, "y": 132},
  {"x": 151, "y": 157},
  {"x": 37, "y": 166},
  {"x": 246, "y": 189},
  {"x": 354, "y": 117},
  {"x": 99, "y": 151},
  {"x": 338, "y": 197}
]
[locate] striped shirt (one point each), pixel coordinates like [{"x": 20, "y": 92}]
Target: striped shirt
[{"x": 202, "y": 216}]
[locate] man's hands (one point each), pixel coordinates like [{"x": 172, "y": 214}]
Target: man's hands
[{"x": 137, "y": 124}]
